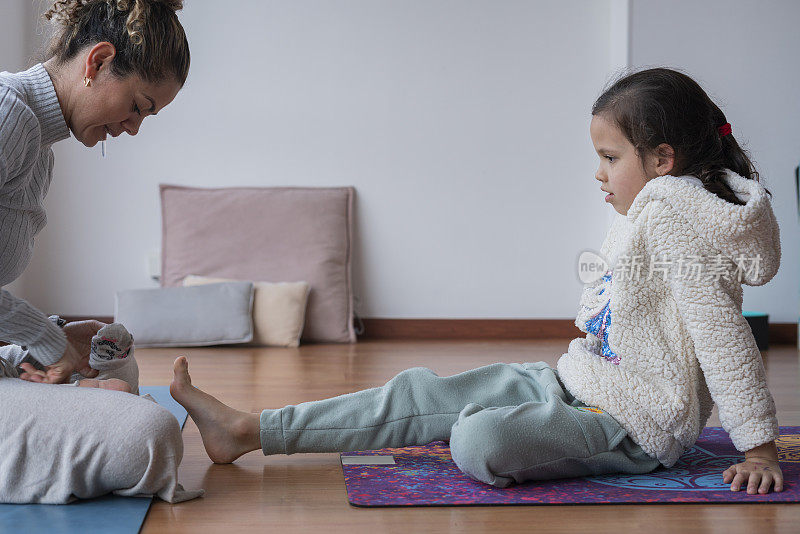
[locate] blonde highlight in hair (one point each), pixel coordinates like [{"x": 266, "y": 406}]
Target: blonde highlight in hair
[{"x": 134, "y": 27}]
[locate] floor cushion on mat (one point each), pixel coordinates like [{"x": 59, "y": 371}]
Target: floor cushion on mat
[{"x": 110, "y": 514}]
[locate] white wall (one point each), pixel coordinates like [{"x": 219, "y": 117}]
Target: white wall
[
  {"x": 13, "y": 39},
  {"x": 744, "y": 53},
  {"x": 463, "y": 126}
]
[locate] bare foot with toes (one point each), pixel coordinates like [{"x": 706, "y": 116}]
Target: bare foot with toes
[{"x": 227, "y": 433}]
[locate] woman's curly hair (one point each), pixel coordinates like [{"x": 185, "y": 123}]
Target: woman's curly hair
[{"x": 147, "y": 35}]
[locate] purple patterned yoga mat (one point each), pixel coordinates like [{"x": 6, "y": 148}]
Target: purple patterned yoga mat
[{"x": 427, "y": 476}]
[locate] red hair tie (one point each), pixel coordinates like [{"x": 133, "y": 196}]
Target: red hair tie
[{"x": 724, "y": 130}]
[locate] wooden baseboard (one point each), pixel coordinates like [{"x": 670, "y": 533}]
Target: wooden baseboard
[
  {"x": 779, "y": 333},
  {"x": 783, "y": 333},
  {"x": 102, "y": 318},
  {"x": 374, "y": 328},
  {"x": 469, "y": 328}
]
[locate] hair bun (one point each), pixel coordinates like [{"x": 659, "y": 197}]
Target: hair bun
[
  {"x": 147, "y": 35},
  {"x": 68, "y": 12}
]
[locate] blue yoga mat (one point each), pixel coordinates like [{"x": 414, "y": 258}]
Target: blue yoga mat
[{"x": 108, "y": 514}]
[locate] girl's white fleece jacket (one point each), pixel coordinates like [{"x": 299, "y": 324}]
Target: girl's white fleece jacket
[{"x": 680, "y": 337}]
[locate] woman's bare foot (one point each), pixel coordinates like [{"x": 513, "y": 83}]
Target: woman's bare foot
[{"x": 227, "y": 433}]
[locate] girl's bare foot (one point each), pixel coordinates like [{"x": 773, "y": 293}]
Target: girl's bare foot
[
  {"x": 227, "y": 433},
  {"x": 114, "y": 384}
]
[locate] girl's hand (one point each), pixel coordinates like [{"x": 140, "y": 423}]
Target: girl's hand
[{"x": 758, "y": 473}]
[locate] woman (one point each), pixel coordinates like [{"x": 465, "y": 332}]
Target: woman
[{"x": 112, "y": 63}]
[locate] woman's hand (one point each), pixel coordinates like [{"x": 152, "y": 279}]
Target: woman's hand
[
  {"x": 79, "y": 335},
  {"x": 758, "y": 473},
  {"x": 76, "y": 356}
]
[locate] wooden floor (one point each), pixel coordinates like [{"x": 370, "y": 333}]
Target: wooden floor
[{"x": 306, "y": 492}]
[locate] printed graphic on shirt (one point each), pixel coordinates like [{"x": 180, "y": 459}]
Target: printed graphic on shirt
[
  {"x": 589, "y": 409},
  {"x": 600, "y": 323}
]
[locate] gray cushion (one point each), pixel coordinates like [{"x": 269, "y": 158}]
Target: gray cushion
[{"x": 212, "y": 314}]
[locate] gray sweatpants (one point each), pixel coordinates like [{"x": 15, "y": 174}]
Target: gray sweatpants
[{"x": 505, "y": 423}]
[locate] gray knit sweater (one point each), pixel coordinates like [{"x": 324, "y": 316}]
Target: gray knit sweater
[{"x": 30, "y": 122}]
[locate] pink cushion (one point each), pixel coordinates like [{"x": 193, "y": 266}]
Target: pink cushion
[{"x": 274, "y": 234}]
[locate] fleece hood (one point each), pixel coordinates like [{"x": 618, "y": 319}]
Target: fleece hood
[{"x": 734, "y": 231}]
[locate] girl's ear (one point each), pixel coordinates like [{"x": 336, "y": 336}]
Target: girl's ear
[{"x": 663, "y": 159}]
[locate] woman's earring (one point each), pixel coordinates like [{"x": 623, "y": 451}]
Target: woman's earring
[{"x": 87, "y": 82}]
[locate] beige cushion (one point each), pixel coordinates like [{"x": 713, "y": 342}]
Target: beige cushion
[{"x": 279, "y": 310}]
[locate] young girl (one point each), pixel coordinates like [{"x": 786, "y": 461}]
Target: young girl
[{"x": 631, "y": 395}]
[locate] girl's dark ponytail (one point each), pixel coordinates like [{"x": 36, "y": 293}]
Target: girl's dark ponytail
[
  {"x": 738, "y": 160},
  {"x": 656, "y": 106}
]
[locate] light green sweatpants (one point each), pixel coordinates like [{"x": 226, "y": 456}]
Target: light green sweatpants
[{"x": 505, "y": 423}]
